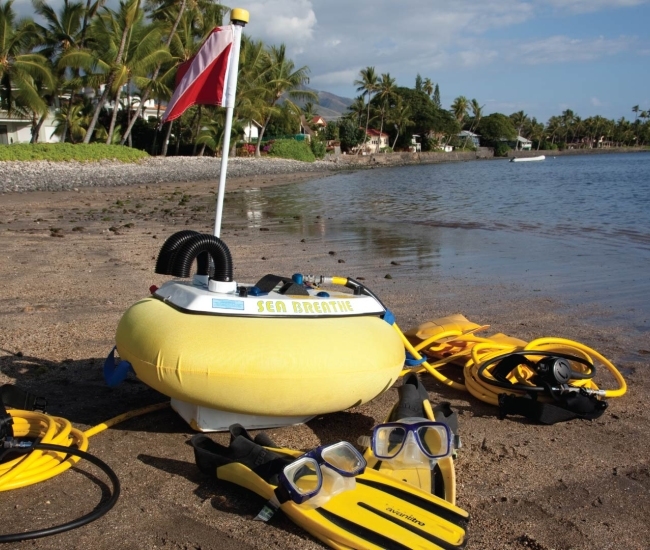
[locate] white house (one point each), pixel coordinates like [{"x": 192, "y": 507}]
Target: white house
[
  {"x": 524, "y": 144},
  {"x": 470, "y": 137},
  {"x": 376, "y": 141},
  {"x": 17, "y": 129},
  {"x": 416, "y": 146},
  {"x": 252, "y": 131}
]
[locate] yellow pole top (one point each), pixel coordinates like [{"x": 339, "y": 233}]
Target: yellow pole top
[{"x": 239, "y": 15}]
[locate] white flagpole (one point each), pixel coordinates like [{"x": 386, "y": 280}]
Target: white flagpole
[{"x": 238, "y": 18}]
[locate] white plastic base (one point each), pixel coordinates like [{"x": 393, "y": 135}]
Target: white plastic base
[{"x": 204, "y": 419}]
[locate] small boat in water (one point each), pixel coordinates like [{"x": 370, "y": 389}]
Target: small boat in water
[{"x": 527, "y": 159}]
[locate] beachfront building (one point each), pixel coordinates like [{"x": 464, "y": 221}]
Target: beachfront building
[
  {"x": 252, "y": 131},
  {"x": 376, "y": 141},
  {"x": 470, "y": 137},
  {"x": 524, "y": 144},
  {"x": 15, "y": 128},
  {"x": 416, "y": 145},
  {"x": 318, "y": 122}
]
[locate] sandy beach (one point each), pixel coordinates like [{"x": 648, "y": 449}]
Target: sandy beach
[{"x": 73, "y": 261}]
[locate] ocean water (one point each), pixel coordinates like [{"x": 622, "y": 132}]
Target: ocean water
[{"x": 574, "y": 227}]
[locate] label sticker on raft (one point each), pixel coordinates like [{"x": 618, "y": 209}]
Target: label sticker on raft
[
  {"x": 227, "y": 304},
  {"x": 312, "y": 307}
]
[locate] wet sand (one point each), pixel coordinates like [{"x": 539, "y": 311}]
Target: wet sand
[{"x": 72, "y": 262}]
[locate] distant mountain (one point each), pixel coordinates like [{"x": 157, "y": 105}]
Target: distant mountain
[
  {"x": 332, "y": 106},
  {"x": 329, "y": 106}
]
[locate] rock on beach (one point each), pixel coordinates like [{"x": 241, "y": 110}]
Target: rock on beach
[{"x": 59, "y": 176}]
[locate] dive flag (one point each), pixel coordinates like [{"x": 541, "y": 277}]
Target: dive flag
[{"x": 202, "y": 80}]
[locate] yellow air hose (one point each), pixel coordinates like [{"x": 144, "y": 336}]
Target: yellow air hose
[
  {"x": 40, "y": 465},
  {"x": 464, "y": 348}
]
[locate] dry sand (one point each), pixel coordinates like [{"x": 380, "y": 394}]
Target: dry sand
[{"x": 72, "y": 262}]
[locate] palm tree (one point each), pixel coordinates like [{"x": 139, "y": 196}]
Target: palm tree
[
  {"x": 367, "y": 83},
  {"x": 281, "y": 79},
  {"x": 73, "y": 122},
  {"x": 635, "y": 110},
  {"x": 400, "y": 117},
  {"x": 20, "y": 70},
  {"x": 357, "y": 108},
  {"x": 385, "y": 92},
  {"x": 459, "y": 108},
  {"x": 553, "y": 126},
  {"x": 427, "y": 87},
  {"x": 60, "y": 34},
  {"x": 149, "y": 87},
  {"x": 477, "y": 113},
  {"x": 567, "y": 119},
  {"x": 115, "y": 27},
  {"x": 144, "y": 52}
]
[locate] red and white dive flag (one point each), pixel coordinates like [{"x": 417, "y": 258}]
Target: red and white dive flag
[{"x": 203, "y": 79}]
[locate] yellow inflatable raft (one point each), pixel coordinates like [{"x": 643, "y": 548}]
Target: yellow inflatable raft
[
  {"x": 283, "y": 347},
  {"x": 260, "y": 365}
]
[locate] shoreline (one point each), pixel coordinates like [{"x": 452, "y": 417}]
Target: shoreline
[{"x": 22, "y": 177}]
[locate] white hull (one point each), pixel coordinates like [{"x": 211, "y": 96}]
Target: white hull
[{"x": 528, "y": 159}]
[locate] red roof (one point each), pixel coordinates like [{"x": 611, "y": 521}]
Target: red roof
[{"x": 375, "y": 133}]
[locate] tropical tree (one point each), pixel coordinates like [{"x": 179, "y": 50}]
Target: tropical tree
[
  {"x": 553, "y": 126},
  {"x": 73, "y": 123},
  {"x": 60, "y": 33},
  {"x": 280, "y": 79},
  {"x": 357, "y": 108},
  {"x": 519, "y": 121},
  {"x": 635, "y": 110},
  {"x": 567, "y": 118},
  {"x": 427, "y": 86},
  {"x": 349, "y": 133},
  {"x": 400, "y": 117},
  {"x": 385, "y": 93},
  {"x": 143, "y": 54},
  {"x": 367, "y": 83},
  {"x": 496, "y": 127},
  {"x": 436, "y": 97},
  {"x": 114, "y": 27},
  {"x": 21, "y": 71},
  {"x": 418, "y": 83},
  {"x": 459, "y": 108}
]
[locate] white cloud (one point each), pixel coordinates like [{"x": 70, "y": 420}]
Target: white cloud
[
  {"x": 584, "y": 6},
  {"x": 596, "y": 102},
  {"x": 560, "y": 49},
  {"x": 289, "y": 21},
  {"x": 336, "y": 78}
]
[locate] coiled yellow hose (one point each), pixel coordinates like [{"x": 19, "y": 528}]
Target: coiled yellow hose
[
  {"x": 470, "y": 351},
  {"x": 41, "y": 465}
]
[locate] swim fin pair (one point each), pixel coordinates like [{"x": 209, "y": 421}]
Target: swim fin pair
[
  {"x": 379, "y": 512},
  {"x": 439, "y": 478}
]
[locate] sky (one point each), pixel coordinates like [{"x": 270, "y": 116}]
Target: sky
[{"x": 542, "y": 57}]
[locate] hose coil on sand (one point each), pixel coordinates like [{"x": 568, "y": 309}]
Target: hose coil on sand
[
  {"x": 456, "y": 343},
  {"x": 58, "y": 446}
]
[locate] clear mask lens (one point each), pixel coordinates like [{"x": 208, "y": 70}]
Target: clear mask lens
[
  {"x": 322, "y": 473},
  {"x": 427, "y": 440},
  {"x": 343, "y": 458},
  {"x": 304, "y": 476}
]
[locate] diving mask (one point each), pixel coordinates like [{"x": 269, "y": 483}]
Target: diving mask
[
  {"x": 410, "y": 441},
  {"x": 321, "y": 473}
]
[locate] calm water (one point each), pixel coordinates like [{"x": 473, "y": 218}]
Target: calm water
[{"x": 578, "y": 227}]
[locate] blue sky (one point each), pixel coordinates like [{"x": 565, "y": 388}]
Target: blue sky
[{"x": 592, "y": 56}]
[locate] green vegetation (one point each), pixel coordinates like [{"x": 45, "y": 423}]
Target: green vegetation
[
  {"x": 292, "y": 149},
  {"x": 59, "y": 152},
  {"x": 404, "y": 112}
]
